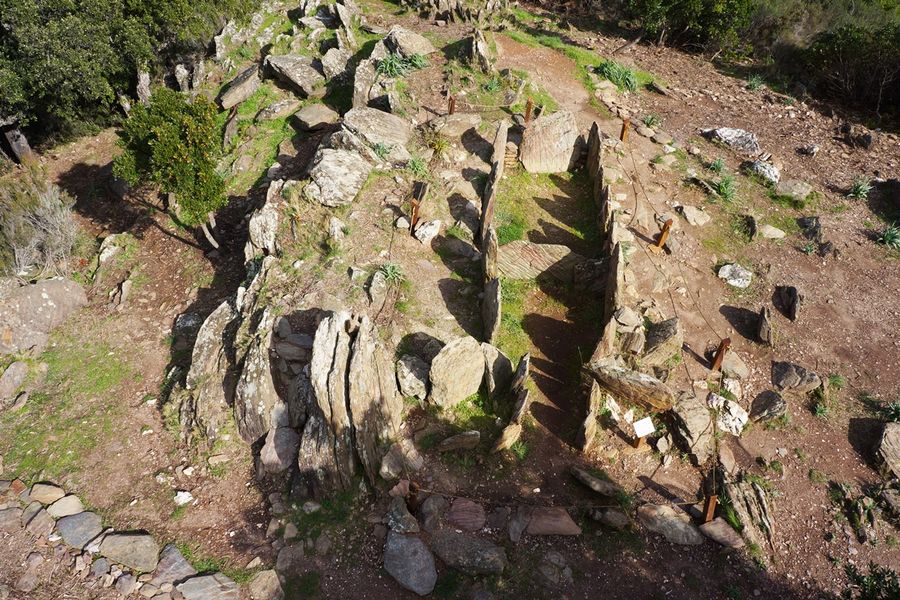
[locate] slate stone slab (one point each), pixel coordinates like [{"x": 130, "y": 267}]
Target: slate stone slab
[{"x": 78, "y": 530}]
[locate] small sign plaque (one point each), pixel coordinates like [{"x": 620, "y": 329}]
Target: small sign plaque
[{"x": 644, "y": 427}]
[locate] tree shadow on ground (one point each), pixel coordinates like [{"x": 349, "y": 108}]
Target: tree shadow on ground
[{"x": 864, "y": 434}]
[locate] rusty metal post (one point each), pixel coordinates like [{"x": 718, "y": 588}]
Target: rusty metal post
[
  {"x": 529, "y": 108},
  {"x": 724, "y": 345},
  {"x": 452, "y": 105},
  {"x": 420, "y": 189},
  {"x": 663, "y": 237},
  {"x": 623, "y": 136},
  {"x": 709, "y": 510}
]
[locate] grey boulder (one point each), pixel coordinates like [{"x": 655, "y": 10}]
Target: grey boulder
[
  {"x": 77, "y": 531},
  {"x": 336, "y": 176},
  {"x": 298, "y": 72},
  {"x": 456, "y": 372},
  {"x": 408, "y": 560},
  {"x": 468, "y": 553},
  {"x": 136, "y": 550}
]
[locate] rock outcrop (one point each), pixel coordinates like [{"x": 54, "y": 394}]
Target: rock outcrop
[{"x": 29, "y": 313}]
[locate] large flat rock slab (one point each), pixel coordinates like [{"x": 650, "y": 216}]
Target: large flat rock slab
[
  {"x": 548, "y": 144},
  {"x": 522, "y": 259}
]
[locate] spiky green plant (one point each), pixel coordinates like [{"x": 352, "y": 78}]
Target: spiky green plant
[
  {"x": 860, "y": 188},
  {"x": 726, "y": 187},
  {"x": 416, "y": 165},
  {"x": 381, "y": 150},
  {"x": 891, "y": 411},
  {"x": 392, "y": 273},
  {"x": 890, "y": 237},
  {"x": 492, "y": 85},
  {"x": 755, "y": 83},
  {"x": 717, "y": 166},
  {"x": 652, "y": 121},
  {"x": 396, "y": 65},
  {"x": 623, "y": 77}
]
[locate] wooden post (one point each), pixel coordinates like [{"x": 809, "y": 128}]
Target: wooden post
[
  {"x": 720, "y": 354},
  {"x": 663, "y": 237},
  {"x": 452, "y": 104},
  {"x": 420, "y": 188},
  {"x": 529, "y": 107},
  {"x": 639, "y": 443},
  {"x": 623, "y": 136},
  {"x": 709, "y": 510}
]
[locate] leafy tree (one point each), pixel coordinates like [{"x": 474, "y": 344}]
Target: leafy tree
[
  {"x": 63, "y": 62},
  {"x": 173, "y": 144}
]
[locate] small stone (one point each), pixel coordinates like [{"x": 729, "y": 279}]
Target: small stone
[
  {"x": 466, "y": 440},
  {"x": 675, "y": 526},
  {"x": 719, "y": 531},
  {"x": 399, "y": 518},
  {"x": 209, "y": 587},
  {"x": 554, "y": 570},
  {"x": 46, "y": 493},
  {"x": 126, "y": 584},
  {"x": 136, "y": 550},
  {"x": 466, "y": 515},
  {"x": 427, "y": 231},
  {"x": 735, "y": 275},
  {"x": 408, "y": 560},
  {"x": 265, "y": 586},
  {"x": 551, "y": 521},
  {"x": 401, "y": 223},
  {"x": 771, "y": 233}
]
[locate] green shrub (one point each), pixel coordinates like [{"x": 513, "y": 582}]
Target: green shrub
[
  {"x": 37, "y": 231},
  {"x": 63, "y": 62},
  {"x": 726, "y": 187},
  {"x": 174, "y": 145},
  {"x": 709, "y": 23},
  {"x": 881, "y": 583},
  {"x": 858, "y": 64}
]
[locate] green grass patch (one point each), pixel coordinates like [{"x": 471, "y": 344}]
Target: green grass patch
[
  {"x": 585, "y": 60},
  {"x": 204, "y": 563},
  {"x": 65, "y": 420},
  {"x": 512, "y": 339},
  {"x": 335, "y": 511}
]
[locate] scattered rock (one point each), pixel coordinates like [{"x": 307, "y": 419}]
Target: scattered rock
[
  {"x": 209, "y": 587},
  {"x": 731, "y": 417},
  {"x": 693, "y": 427},
  {"x": 315, "y": 116},
  {"x": 764, "y": 170},
  {"x": 664, "y": 340},
  {"x": 734, "y": 367},
  {"x": 469, "y": 554},
  {"x": 335, "y": 177},
  {"x": 794, "y": 189},
  {"x": 771, "y": 233},
  {"x": 632, "y": 386},
  {"x": 280, "y": 449},
  {"x": 79, "y": 530},
  {"x": 789, "y": 377},
  {"x": 554, "y": 570},
  {"x": 889, "y": 448},
  {"x": 412, "y": 375},
  {"x": 46, "y": 493},
  {"x": 298, "y": 72},
  {"x": 455, "y": 125},
  {"x": 466, "y": 515},
  {"x": 278, "y": 109},
  {"x": 467, "y": 440},
  {"x": 407, "y": 43},
  {"x": 334, "y": 62},
  {"x": 265, "y": 586},
  {"x": 399, "y": 518},
  {"x": 402, "y": 457},
  {"x": 735, "y": 275},
  {"x": 136, "y": 550},
  {"x": 427, "y": 231},
  {"x": 431, "y": 512},
  {"x": 378, "y": 127},
  {"x": 601, "y": 486},
  {"x": 240, "y": 88},
  {"x": 767, "y": 406},
  {"x": 28, "y": 313},
  {"x": 719, "y": 531},
  {"x": 551, "y": 521},
  {"x": 676, "y": 527},
  {"x": 126, "y": 584},
  {"x": 10, "y": 519},
  {"x": 611, "y": 517},
  {"x": 11, "y": 380},
  {"x": 456, "y": 372},
  {"x": 65, "y": 506},
  {"x": 738, "y": 139},
  {"x": 695, "y": 216},
  {"x": 408, "y": 560}
]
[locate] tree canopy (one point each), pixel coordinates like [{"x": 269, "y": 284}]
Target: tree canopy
[
  {"x": 62, "y": 62},
  {"x": 174, "y": 144}
]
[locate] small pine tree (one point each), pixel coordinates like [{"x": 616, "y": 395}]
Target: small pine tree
[{"x": 173, "y": 144}]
